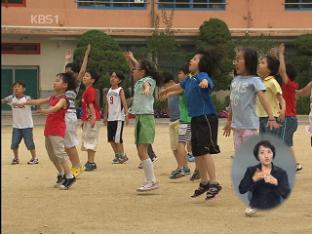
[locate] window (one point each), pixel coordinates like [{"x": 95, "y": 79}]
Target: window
[
  {"x": 95, "y": 4},
  {"x": 193, "y": 4},
  {"x": 20, "y": 48},
  {"x": 17, "y": 3},
  {"x": 298, "y": 4}
]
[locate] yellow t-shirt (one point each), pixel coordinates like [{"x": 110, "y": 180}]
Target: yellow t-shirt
[{"x": 272, "y": 90}]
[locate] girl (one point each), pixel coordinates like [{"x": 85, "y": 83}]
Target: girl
[
  {"x": 204, "y": 123},
  {"x": 55, "y": 127},
  {"x": 145, "y": 75},
  {"x": 245, "y": 87},
  {"x": 116, "y": 113}
]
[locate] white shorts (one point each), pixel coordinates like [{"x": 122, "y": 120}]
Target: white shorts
[
  {"x": 71, "y": 137},
  {"x": 90, "y": 136}
]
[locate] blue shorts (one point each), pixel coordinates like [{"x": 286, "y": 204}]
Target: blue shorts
[
  {"x": 288, "y": 129},
  {"x": 18, "y": 134}
]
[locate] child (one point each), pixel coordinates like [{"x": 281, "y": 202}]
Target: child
[
  {"x": 245, "y": 87},
  {"x": 204, "y": 123},
  {"x": 179, "y": 127},
  {"x": 116, "y": 113},
  {"x": 22, "y": 123},
  {"x": 71, "y": 138},
  {"x": 55, "y": 127},
  {"x": 90, "y": 117},
  {"x": 145, "y": 75},
  {"x": 306, "y": 91},
  {"x": 289, "y": 87},
  {"x": 267, "y": 69}
]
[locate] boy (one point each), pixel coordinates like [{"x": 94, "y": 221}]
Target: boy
[
  {"x": 116, "y": 113},
  {"x": 22, "y": 123}
]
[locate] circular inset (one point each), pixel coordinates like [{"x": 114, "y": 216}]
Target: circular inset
[{"x": 263, "y": 172}]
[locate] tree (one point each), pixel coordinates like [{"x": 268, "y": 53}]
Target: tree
[
  {"x": 105, "y": 56},
  {"x": 214, "y": 34}
]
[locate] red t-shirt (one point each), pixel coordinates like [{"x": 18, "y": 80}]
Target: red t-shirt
[
  {"x": 88, "y": 97},
  {"x": 289, "y": 94},
  {"x": 55, "y": 122}
]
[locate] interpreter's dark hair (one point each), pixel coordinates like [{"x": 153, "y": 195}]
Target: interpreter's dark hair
[
  {"x": 273, "y": 64},
  {"x": 185, "y": 68},
  {"x": 150, "y": 70},
  {"x": 69, "y": 79},
  {"x": 19, "y": 82},
  {"x": 73, "y": 66},
  {"x": 291, "y": 71},
  {"x": 209, "y": 61},
  {"x": 251, "y": 60},
  {"x": 94, "y": 75},
  {"x": 166, "y": 77},
  {"x": 265, "y": 144}
]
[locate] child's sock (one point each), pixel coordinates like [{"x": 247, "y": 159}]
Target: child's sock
[{"x": 149, "y": 170}]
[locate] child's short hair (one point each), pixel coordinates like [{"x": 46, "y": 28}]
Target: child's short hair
[
  {"x": 273, "y": 64},
  {"x": 94, "y": 75},
  {"x": 185, "y": 68},
  {"x": 150, "y": 70},
  {"x": 291, "y": 72},
  {"x": 19, "y": 82},
  {"x": 265, "y": 144},
  {"x": 69, "y": 79},
  {"x": 251, "y": 60},
  {"x": 73, "y": 66},
  {"x": 166, "y": 77},
  {"x": 119, "y": 74},
  {"x": 209, "y": 61}
]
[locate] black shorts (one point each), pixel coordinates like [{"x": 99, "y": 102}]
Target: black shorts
[
  {"x": 204, "y": 135},
  {"x": 114, "y": 131}
]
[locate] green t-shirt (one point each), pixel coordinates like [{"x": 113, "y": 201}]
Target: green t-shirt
[
  {"x": 184, "y": 117},
  {"x": 143, "y": 104}
]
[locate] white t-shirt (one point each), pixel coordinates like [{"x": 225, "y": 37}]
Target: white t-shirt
[
  {"x": 115, "y": 107},
  {"x": 22, "y": 117}
]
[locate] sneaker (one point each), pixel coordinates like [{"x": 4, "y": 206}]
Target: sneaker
[
  {"x": 90, "y": 166},
  {"x": 76, "y": 171},
  {"x": 116, "y": 160},
  {"x": 190, "y": 157},
  {"x": 154, "y": 159},
  {"x": 123, "y": 159},
  {"x": 187, "y": 170},
  {"x": 178, "y": 173},
  {"x": 213, "y": 190},
  {"x": 201, "y": 190},
  {"x": 59, "y": 180},
  {"x": 298, "y": 167},
  {"x": 140, "y": 165},
  {"x": 250, "y": 211},
  {"x": 15, "y": 161},
  {"x": 33, "y": 161},
  {"x": 195, "y": 176},
  {"x": 148, "y": 187},
  {"x": 68, "y": 183}
]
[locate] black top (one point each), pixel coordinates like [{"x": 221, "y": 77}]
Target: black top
[{"x": 265, "y": 195}]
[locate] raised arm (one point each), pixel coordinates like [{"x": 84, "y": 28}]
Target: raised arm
[
  {"x": 282, "y": 68},
  {"x": 131, "y": 60},
  {"x": 84, "y": 63},
  {"x": 68, "y": 57},
  {"x": 176, "y": 89},
  {"x": 305, "y": 91}
]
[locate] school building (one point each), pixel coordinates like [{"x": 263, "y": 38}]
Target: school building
[{"x": 36, "y": 33}]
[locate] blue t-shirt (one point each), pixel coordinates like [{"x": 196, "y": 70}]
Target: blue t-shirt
[
  {"x": 173, "y": 107},
  {"x": 198, "y": 99}
]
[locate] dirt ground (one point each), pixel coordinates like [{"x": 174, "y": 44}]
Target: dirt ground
[{"x": 105, "y": 201}]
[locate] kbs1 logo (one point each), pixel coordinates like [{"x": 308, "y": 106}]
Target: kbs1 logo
[{"x": 44, "y": 19}]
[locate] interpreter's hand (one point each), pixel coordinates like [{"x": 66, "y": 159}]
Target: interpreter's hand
[
  {"x": 281, "y": 48},
  {"x": 272, "y": 124},
  {"x": 68, "y": 54},
  {"x": 203, "y": 84},
  {"x": 258, "y": 175},
  {"x": 269, "y": 179},
  {"x": 227, "y": 129}
]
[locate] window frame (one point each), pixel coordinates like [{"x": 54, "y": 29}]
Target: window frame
[
  {"x": 192, "y": 8},
  {"x": 22, "y": 4},
  {"x": 111, "y": 7},
  {"x": 22, "y": 52},
  {"x": 300, "y": 5}
]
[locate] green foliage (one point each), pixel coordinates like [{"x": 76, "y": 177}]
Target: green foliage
[
  {"x": 105, "y": 56},
  {"x": 220, "y": 104},
  {"x": 214, "y": 34},
  {"x": 303, "y": 105},
  {"x": 304, "y": 44}
]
